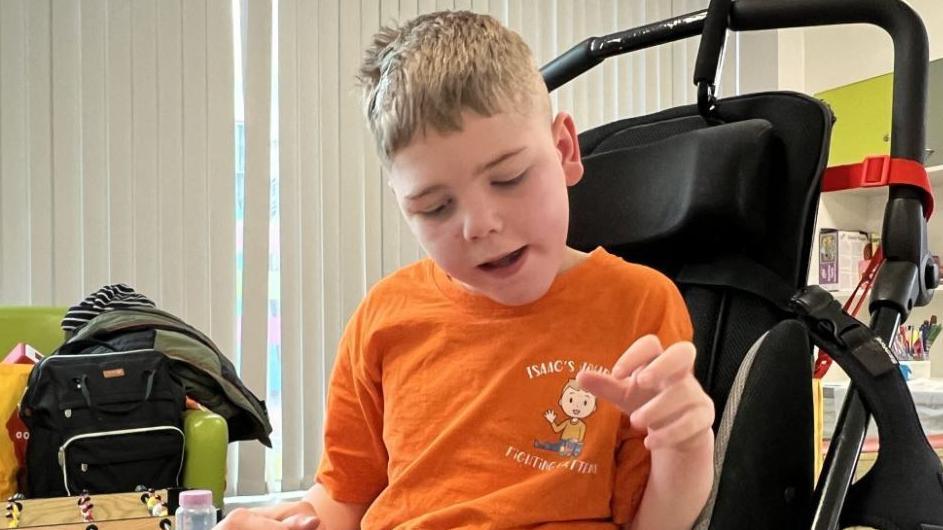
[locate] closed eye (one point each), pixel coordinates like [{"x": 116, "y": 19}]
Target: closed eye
[
  {"x": 510, "y": 183},
  {"x": 438, "y": 210}
]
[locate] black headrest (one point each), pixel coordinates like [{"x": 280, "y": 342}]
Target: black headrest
[{"x": 679, "y": 196}]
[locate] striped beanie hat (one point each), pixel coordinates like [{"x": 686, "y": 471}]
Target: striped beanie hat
[{"x": 117, "y": 296}]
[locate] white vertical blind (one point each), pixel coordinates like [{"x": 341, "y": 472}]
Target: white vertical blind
[
  {"x": 352, "y": 159},
  {"x": 220, "y": 168},
  {"x": 117, "y": 163},
  {"x": 254, "y": 348},
  {"x": 116, "y": 154},
  {"x": 39, "y": 127},
  {"x": 14, "y": 157},
  {"x": 290, "y": 201},
  {"x": 120, "y": 150},
  {"x": 169, "y": 43},
  {"x": 194, "y": 247},
  {"x": 313, "y": 373},
  {"x": 146, "y": 231},
  {"x": 330, "y": 169},
  {"x": 67, "y": 190},
  {"x": 94, "y": 140}
]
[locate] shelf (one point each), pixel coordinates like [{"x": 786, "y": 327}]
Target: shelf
[{"x": 934, "y": 172}]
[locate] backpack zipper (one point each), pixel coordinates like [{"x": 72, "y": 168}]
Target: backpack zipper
[{"x": 62, "y": 449}]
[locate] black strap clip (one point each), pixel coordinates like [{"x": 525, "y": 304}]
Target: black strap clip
[{"x": 840, "y": 334}]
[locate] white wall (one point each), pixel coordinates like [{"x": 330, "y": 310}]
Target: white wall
[{"x": 817, "y": 59}]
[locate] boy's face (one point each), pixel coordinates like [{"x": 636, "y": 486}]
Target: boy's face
[
  {"x": 577, "y": 403},
  {"x": 489, "y": 203}
]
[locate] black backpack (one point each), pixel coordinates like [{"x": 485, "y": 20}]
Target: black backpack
[{"x": 102, "y": 423}]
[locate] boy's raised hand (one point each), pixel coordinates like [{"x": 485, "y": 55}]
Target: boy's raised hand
[{"x": 656, "y": 388}]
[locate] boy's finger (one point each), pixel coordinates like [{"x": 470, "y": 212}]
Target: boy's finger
[
  {"x": 604, "y": 386},
  {"x": 687, "y": 426},
  {"x": 283, "y": 511},
  {"x": 243, "y": 519},
  {"x": 675, "y": 362},
  {"x": 663, "y": 408},
  {"x": 640, "y": 353},
  {"x": 301, "y": 522}
]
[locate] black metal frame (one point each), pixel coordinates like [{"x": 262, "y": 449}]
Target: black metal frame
[{"x": 909, "y": 276}]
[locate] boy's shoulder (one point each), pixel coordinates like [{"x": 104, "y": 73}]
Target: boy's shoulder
[
  {"x": 409, "y": 279},
  {"x": 402, "y": 291},
  {"x": 618, "y": 273},
  {"x": 644, "y": 294}
]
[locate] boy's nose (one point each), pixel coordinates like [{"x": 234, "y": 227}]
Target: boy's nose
[{"x": 481, "y": 221}]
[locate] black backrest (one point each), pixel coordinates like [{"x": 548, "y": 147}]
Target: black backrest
[{"x": 726, "y": 210}]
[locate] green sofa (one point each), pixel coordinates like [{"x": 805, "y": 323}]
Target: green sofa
[{"x": 206, "y": 433}]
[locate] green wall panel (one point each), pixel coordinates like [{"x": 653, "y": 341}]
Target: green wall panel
[{"x": 863, "y": 119}]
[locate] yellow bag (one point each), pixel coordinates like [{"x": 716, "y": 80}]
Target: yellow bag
[{"x": 12, "y": 384}]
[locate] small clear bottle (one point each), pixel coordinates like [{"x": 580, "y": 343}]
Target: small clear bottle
[{"x": 196, "y": 511}]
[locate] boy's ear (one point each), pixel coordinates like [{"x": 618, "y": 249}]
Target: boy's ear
[{"x": 568, "y": 147}]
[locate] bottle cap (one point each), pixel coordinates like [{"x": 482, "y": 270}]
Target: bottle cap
[{"x": 196, "y": 499}]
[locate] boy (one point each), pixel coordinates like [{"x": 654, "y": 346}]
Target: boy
[{"x": 444, "y": 372}]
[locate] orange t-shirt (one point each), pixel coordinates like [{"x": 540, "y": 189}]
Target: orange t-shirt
[{"x": 448, "y": 410}]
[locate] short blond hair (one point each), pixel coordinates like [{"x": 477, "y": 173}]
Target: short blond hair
[{"x": 428, "y": 71}]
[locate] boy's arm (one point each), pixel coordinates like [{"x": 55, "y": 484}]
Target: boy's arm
[
  {"x": 678, "y": 486},
  {"x": 334, "y": 515}
]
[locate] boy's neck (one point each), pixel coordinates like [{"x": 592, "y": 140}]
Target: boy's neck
[{"x": 572, "y": 258}]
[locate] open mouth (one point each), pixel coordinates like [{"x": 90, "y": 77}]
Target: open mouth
[{"x": 505, "y": 261}]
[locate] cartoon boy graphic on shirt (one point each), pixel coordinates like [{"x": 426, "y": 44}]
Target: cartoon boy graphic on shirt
[{"x": 576, "y": 404}]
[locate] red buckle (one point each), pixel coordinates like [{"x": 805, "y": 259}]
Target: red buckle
[{"x": 875, "y": 171}]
